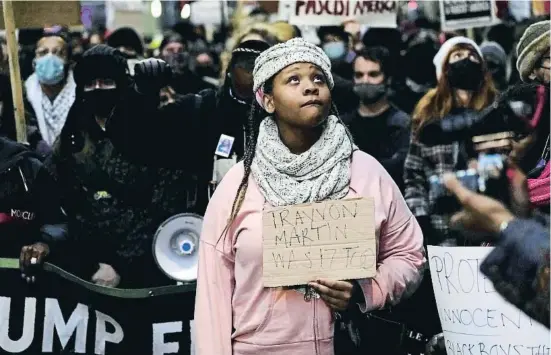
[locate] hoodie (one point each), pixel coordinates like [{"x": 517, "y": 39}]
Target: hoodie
[{"x": 29, "y": 205}]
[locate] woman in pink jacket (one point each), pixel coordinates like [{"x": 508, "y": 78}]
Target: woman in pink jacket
[{"x": 301, "y": 153}]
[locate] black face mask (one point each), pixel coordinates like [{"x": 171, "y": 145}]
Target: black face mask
[
  {"x": 129, "y": 56},
  {"x": 179, "y": 62},
  {"x": 465, "y": 75},
  {"x": 370, "y": 93},
  {"x": 101, "y": 101},
  {"x": 208, "y": 70}
]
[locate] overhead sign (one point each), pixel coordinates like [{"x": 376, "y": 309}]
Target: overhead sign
[
  {"x": 461, "y": 14},
  {"x": 375, "y": 13},
  {"x": 41, "y": 14},
  {"x": 475, "y": 319},
  {"x": 58, "y": 316},
  {"x": 331, "y": 239}
]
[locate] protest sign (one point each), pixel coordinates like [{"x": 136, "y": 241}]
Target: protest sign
[
  {"x": 460, "y": 14},
  {"x": 40, "y": 14},
  {"x": 375, "y": 13},
  {"x": 475, "y": 319},
  {"x": 331, "y": 239},
  {"x": 58, "y": 316}
]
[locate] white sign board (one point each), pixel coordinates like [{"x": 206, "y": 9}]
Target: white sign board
[
  {"x": 207, "y": 12},
  {"x": 375, "y": 13},
  {"x": 461, "y": 14},
  {"x": 475, "y": 319}
]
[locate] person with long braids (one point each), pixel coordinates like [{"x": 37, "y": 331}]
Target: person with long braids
[{"x": 301, "y": 152}]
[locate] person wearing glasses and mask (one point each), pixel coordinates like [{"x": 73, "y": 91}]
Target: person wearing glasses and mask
[
  {"x": 378, "y": 128},
  {"x": 50, "y": 90}
]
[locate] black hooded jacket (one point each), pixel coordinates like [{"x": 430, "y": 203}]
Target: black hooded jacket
[
  {"x": 29, "y": 202},
  {"x": 116, "y": 189}
]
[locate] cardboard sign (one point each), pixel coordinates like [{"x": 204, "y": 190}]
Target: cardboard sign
[
  {"x": 375, "y": 13},
  {"x": 331, "y": 239},
  {"x": 475, "y": 318},
  {"x": 460, "y": 14},
  {"x": 40, "y": 14},
  {"x": 56, "y": 316}
]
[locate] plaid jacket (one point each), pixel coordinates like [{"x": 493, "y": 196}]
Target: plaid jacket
[{"x": 422, "y": 162}]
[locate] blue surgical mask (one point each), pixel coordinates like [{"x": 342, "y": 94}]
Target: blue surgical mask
[
  {"x": 49, "y": 69},
  {"x": 334, "y": 50}
]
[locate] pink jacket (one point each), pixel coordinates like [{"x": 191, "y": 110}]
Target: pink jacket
[{"x": 270, "y": 321}]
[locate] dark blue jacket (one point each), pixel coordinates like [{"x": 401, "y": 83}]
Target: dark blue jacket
[{"x": 519, "y": 267}]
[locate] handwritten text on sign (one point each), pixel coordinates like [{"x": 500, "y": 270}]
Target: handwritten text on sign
[
  {"x": 376, "y": 13},
  {"x": 475, "y": 318},
  {"x": 331, "y": 239}
]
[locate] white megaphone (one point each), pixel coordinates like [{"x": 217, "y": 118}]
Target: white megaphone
[{"x": 176, "y": 246}]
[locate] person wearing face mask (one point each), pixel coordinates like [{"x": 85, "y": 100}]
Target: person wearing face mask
[
  {"x": 378, "y": 128},
  {"x": 236, "y": 96},
  {"x": 174, "y": 53},
  {"x": 496, "y": 60},
  {"x": 533, "y": 64},
  {"x": 127, "y": 41},
  {"x": 417, "y": 69},
  {"x": 130, "y": 45},
  {"x": 335, "y": 43},
  {"x": 209, "y": 125},
  {"x": 110, "y": 174},
  {"x": 464, "y": 87},
  {"x": 228, "y": 108},
  {"x": 113, "y": 190},
  {"x": 50, "y": 91}
]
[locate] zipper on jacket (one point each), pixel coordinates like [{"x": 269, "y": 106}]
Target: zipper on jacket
[{"x": 23, "y": 178}]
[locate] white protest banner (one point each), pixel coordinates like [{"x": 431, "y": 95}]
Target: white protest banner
[
  {"x": 475, "y": 319},
  {"x": 375, "y": 13},
  {"x": 460, "y": 14},
  {"x": 331, "y": 239}
]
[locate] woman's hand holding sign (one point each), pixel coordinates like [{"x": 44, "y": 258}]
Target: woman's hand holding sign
[{"x": 336, "y": 294}]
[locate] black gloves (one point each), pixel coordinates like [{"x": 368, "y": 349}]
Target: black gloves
[{"x": 150, "y": 75}]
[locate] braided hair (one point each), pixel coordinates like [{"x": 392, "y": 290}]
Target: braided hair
[{"x": 256, "y": 115}]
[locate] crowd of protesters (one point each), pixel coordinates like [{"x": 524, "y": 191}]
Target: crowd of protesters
[{"x": 124, "y": 134}]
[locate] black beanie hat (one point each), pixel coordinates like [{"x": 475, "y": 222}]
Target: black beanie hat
[
  {"x": 171, "y": 37},
  {"x": 126, "y": 37},
  {"x": 101, "y": 61}
]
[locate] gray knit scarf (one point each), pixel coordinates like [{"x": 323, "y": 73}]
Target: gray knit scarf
[{"x": 322, "y": 172}]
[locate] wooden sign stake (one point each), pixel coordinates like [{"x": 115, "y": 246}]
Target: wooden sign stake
[{"x": 15, "y": 74}]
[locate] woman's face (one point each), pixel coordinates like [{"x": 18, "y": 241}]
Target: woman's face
[{"x": 300, "y": 97}]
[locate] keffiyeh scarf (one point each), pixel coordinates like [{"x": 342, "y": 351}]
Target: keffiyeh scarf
[{"x": 322, "y": 172}]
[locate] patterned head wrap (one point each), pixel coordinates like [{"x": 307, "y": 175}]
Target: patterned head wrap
[{"x": 280, "y": 56}]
